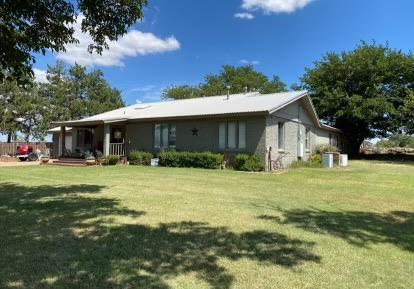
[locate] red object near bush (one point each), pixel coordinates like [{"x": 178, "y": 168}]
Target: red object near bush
[{"x": 24, "y": 149}]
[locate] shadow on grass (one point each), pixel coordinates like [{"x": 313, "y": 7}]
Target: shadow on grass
[
  {"x": 358, "y": 228},
  {"x": 67, "y": 237}
]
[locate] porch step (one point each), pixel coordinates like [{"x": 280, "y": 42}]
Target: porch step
[{"x": 69, "y": 162}]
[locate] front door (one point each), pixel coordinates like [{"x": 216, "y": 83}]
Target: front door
[{"x": 84, "y": 139}]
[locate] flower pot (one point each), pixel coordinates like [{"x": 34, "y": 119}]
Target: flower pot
[
  {"x": 90, "y": 162},
  {"x": 45, "y": 160}
]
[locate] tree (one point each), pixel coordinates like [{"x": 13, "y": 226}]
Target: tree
[
  {"x": 296, "y": 87},
  {"x": 408, "y": 112},
  {"x": 363, "y": 92},
  {"x": 28, "y": 27},
  {"x": 8, "y": 123},
  {"x": 71, "y": 93},
  {"x": 239, "y": 79},
  {"x": 22, "y": 110},
  {"x": 75, "y": 93}
]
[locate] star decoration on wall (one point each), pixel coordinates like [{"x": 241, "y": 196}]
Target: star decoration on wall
[{"x": 194, "y": 131}]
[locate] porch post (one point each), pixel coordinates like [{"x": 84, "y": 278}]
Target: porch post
[
  {"x": 107, "y": 139},
  {"x": 74, "y": 138},
  {"x": 62, "y": 140}
]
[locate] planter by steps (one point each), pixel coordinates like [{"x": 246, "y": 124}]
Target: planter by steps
[
  {"x": 91, "y": 162},
  {"x": 45, "y": 160}
]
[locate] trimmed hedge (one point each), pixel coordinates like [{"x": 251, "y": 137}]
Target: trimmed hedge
[
  {"x": 111, "y": 160},
  {"x": 140, "y": 158},
  {"x": 205, "y": 160},
  {"x": 249, "y": 163}
]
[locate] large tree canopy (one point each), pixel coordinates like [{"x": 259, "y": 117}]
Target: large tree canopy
[
  {"x": 366, "y": 93},
  {"x": 75, "y": 93},
  {"x": 28, "y": 27},
  {"x": 71, "y": 93},
  {"x": 238, "y": 78}
]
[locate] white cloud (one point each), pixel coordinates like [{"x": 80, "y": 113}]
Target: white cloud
[
  {"x": 40, "y": 75},
  {"x": 146, "y": 93},
  {"x": 144, "y": 88},
  {"x": 134, "y": 43},
  {"x": 275, "y": 6},
  {"x": 247, "y": 62},
  {"x": 244, "y": 15}
]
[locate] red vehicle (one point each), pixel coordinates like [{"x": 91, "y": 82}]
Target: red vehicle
[{"x": 25, "y": 152}]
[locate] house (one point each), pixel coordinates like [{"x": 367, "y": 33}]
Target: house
[{"x": 264, "y": 124}]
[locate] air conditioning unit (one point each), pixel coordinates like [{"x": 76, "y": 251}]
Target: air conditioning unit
[
  {"x": 343, "y": 160},
  {"x": 327, "y": 161}
]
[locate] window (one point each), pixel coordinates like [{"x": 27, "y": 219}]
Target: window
[
  {"x": 157, "y": 136},
  {"x": 307, "y": 140},
  {"x": 222, "y": 135},
  {"x": 164, "y": 136},
  {"x": 172, "y": 136},
  {"x": 281, "y": 136},
  {"x": 242, "y": 135},
  {"x": 232, "y": 135}
]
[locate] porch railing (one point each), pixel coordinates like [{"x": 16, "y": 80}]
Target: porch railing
[{"x": 117, "y": 149}]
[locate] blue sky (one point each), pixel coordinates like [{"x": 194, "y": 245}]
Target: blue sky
[{"x": 179, "y": 42}]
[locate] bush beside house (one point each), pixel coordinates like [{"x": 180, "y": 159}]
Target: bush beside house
[
  {"x": 205, "y": 160},
  {"x": 140, "y": 158},
  {"x": 250, "y": 163},
  {"x": 112, "y": 160}
]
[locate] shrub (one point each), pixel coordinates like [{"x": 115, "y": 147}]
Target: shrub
[
  {"x": 250, "y": 163},
  {"x": 239, "y": 161},
  {"x": 140, "y": 158},
  {"x": 320, "y": 149},
  {"x": 316, "y": 158},
  {"x": 206, "y": 160},
  {"x": 112, "y": 160}
]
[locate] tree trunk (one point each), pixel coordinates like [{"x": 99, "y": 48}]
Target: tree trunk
[
  {"x": 9, "y": 137},
  {"x": 354, "y": 147}
]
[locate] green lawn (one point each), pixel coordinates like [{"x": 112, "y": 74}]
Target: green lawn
[{"x": 159, "y": 228}]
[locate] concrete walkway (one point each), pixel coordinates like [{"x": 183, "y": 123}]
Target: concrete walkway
[{"x": 18, "y": 163}]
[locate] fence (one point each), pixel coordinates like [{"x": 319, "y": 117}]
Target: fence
[{"x": 11, "y": 148}]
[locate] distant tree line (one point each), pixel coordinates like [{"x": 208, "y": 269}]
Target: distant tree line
[
  {"x": 397, "y": 141},
  {"x": 230, "y": 78}
]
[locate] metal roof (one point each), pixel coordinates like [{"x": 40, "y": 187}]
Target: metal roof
[
  {"x": 202, "y": 106},
  {"x": 235, "y": 104}
]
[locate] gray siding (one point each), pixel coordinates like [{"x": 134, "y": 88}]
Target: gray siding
[
  {"x": 297, "y": 117},
  {"x": 140, "y": 135}
]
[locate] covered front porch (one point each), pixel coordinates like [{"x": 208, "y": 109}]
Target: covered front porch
[{"x": 98, "y": 139}]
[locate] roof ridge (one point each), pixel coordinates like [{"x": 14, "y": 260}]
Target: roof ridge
[{"x": 200, "y": 97}]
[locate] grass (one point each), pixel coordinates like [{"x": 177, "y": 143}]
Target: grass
[{"x": 161, "y": 228}]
